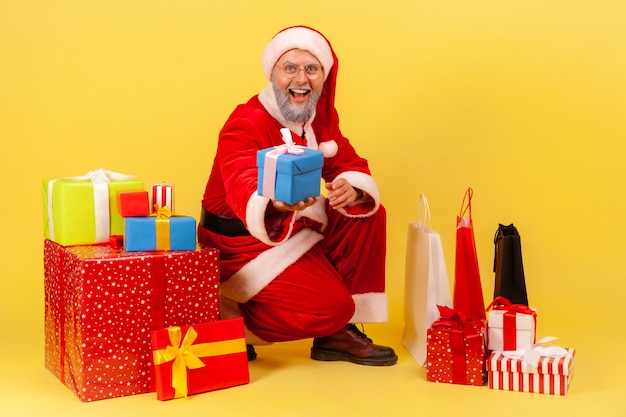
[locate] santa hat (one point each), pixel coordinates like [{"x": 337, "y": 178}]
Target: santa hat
[
  {"x": 297, "y": 37},
  {"x": 308, "y": 39}
]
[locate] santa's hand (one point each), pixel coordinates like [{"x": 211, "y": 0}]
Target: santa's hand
[
  {"x": 341, "y": 193},
  {"x": 300, "y": 205}
]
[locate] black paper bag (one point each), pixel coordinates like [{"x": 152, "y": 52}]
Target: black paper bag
[{"x": 510, "y": 282}]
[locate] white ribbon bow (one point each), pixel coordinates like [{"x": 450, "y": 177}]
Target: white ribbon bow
[
  {"x": 100, "y": 179},
  {"x": 101, "y": 175},
  {"x": 289, "y": 146},
  {"x": 533, "y": 355}
]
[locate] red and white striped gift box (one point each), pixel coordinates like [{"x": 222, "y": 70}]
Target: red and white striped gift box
[
  {"x": 549, "y": 376},
  {"x": 163, "y": 195}
]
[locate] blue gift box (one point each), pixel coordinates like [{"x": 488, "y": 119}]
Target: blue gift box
[
  {"x": 297, "y": 176},
  {"x": 140, "y": 233}
]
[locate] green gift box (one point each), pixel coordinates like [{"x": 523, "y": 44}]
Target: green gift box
[{"x": 83, "y": 210}]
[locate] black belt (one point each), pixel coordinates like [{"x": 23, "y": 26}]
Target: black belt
[{"x": 222, "y": 225}]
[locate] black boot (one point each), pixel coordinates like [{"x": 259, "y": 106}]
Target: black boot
[{"x": 251, "y": 352}]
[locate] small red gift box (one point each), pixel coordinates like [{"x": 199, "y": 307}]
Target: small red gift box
[
  {"x": 101, "y": 304},
  {"x": 199, "y": 358},
  {"x": 510, "y": 326},
  {"x": 133, "y": 203},
  {"x": 455, "y": 349},
  {"x": 550, "y": 375}
]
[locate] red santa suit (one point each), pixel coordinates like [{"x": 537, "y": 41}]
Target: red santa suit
[{"x": 306, "y": 273}]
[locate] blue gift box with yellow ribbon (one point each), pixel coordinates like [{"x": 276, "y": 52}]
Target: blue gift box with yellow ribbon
[{"x": 160, "y": 232}]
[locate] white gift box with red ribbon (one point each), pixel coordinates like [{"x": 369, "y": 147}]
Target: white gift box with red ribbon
[
  {"x": 510, "y": 326},
  {"x": 541, "y": 369}
]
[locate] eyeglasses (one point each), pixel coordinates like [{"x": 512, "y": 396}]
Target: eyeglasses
[{"x": 289, "y": 70}]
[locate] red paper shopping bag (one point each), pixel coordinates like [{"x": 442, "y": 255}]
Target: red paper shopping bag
[{"x": 468, "y": 293}]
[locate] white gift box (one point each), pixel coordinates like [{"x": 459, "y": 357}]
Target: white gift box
[
  {"x": 510, "y": 330},
  {"x": 550, "y": 375},
  {"x": 163, "y": 196}
]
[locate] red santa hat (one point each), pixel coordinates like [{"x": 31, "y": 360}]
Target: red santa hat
[{"x": 308, "y": 39}]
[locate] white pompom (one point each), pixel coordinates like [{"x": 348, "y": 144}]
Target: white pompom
[{"x": 329, "y": 148}]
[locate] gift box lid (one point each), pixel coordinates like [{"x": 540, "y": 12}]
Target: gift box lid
[
  {"x": 495, "y": 319},
  {"x": 290, "y": 164},
  {"x": 499, "y": 362}
]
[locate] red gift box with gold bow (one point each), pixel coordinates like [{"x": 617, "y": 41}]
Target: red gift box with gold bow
[
  {"x": 199, "y": 358},
  {"x": 455, "y": 349},
  {"x": 510, "y": 326}
]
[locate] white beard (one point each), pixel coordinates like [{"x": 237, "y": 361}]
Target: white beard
[{"x": 293, "y": 113}]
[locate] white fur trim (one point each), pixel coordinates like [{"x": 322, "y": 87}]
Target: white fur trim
[
  {"x": 328, "y": 148},
  {"x": 256, "y": 274},
  {"x": 296, "y": 38},
  {"x": 371, "y": 307},
  {"x": 363, "y": 182},
  {"x": 255, "y": 219}
]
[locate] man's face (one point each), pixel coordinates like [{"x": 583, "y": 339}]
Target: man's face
[{"x": 297, "y": 95}]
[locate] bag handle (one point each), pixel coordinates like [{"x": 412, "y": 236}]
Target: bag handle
[
  {"x": 423, "y": 212},
  {"x": 465, "y": 208},
  {"x": 504, "y": 230}
]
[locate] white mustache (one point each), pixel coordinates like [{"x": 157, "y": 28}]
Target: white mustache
[{"x": 304, "y": 87}]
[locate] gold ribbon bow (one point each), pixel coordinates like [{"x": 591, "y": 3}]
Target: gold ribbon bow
[
  {"x": 162, "y": 224},
  {"x": 187, "y": 355}
]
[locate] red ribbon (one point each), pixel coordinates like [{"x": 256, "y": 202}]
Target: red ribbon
[
  {"x": 462, "y": 329},
  {"x": 509, "y": 324}
]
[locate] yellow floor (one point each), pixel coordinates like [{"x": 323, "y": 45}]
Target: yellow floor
[{"x": 285, "y": 382}]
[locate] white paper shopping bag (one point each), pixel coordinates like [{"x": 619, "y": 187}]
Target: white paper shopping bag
[{"x": 426, "y": 282}]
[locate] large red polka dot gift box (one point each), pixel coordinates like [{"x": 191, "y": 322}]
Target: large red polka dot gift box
[{"x": 101, "y": 304}]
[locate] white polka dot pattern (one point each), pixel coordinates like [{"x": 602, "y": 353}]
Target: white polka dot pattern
[
  {"x": 53, "y": 307},
  {"x": 102, "y": 303},
  {"x": 441, "y": 357}
]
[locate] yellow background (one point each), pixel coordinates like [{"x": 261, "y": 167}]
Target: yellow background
[{"x": 522, "y": 100}]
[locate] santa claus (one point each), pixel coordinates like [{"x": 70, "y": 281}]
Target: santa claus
[{"x": 310, "y": 269}]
